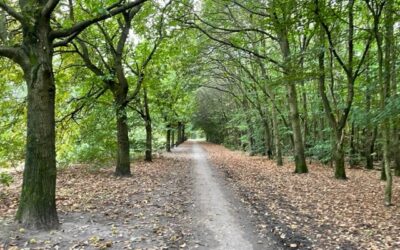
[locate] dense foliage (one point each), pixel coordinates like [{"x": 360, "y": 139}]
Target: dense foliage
[{"x": 291, "y": 80}]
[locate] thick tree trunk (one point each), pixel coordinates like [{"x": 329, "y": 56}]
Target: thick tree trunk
[
  {"x": 37, "y": 206},
  {"x": 123, "y": 160}
]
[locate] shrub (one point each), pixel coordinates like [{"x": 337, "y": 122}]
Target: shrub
[{"x": 6, "y": 179}]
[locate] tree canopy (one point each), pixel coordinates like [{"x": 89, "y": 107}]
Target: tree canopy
[{"x": 105, "y": 82}]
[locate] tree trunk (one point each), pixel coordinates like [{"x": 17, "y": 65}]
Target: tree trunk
[
  {"x": 173, "y": 138},
  {"x": 353, "y": 161},
  {"x": 149, "y": 144},
  {"x": 369, "y": 132},
  {"x": 267, "y": 138},
  {"x": 396, "y": 150},
  {"x": 179, "y": 134},
  {"x": 123, "y": 160},
  {"x": 299, "y": 156},
  {"x": 338, "y": 155},
  {"x": 250, "y": 135},
  {"x": 370, "y": 148},
  {"x": 183, "y": 134},
  {"x": 300, "y": 159},
  {"x": 386, "y": 89},
  {"x": 337, "y": 130},
  {"x": 37, "y": 206},
  {"x": 149, "y": 136},
  {"x": 277, "y": 140},
  {"x": 168, "y": 142}
]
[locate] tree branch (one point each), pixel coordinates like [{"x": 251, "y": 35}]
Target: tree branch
[
  {"x": 12, "y": 53},
  {"x": 11, "y": 11},
  {"x": 49, "y": 7},
  {"x": 79, "y": 27}
]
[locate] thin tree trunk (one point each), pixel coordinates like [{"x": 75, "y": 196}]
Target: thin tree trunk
[
  {"x": 386, "y": 88},
  {"x": 277, "y": 141},
  {"x": 173, "y": 138},
  {"x": 299, "y": 156},
  {"x": 370, "y": 148},
  {"x": 267, "y": 138},
  {"x": 149, "y": 136},
  {"x": 353, "y": 162},
  {"x": 168, "y": 141},
  {"x": 179, "y": 134}
]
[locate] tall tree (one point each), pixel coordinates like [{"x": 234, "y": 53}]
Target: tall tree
[
  {"x": 33, "y": 52},
  {"x": 352, "y": 70}
]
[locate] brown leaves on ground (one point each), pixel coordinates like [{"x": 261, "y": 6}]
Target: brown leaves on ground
[
  {"x": 98, "y": 210},
  {"x": 314, "y": 210}
]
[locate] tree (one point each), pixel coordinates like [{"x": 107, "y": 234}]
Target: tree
[
  {"x": 34, "y": 54},
  {"x": 352, "y": 70}
]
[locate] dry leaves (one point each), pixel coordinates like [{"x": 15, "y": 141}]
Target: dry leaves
[
  {"x": 99, "y": 211},
  {"x": 314, "y": 210}
]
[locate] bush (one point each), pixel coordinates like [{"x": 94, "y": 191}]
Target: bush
[
  {"x": 6, "y": 179},
  {"x": 322, "y": 151}
]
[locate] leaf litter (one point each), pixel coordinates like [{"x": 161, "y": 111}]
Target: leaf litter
[
  {"x": 314, "y": 210},
  {"x": 100, "y": 211}
]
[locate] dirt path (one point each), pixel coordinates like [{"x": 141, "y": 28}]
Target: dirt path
[{"x": 220, "y": 221}]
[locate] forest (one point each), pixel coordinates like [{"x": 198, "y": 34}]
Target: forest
[{"x": 287, "y": 94}]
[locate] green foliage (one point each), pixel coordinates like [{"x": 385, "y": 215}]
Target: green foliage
[
  {"x": 321, "y": 151},
  {"x": 5, "y": 179}
]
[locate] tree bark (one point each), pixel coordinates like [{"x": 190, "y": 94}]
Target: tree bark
[
  {"x": 120, "y": 91},
  {"x": 277, "y": 140},
  {"x": 386, "y": 89},
  {"x": 123, "y": 159},
  {"x": 168, "y": 139},
  {"x": 267, "y": 138},
  {"x": 179, "y": 134},
  {"x": 299, "y": 156},
  {"x": 353, "y": 161},
  {"x": 149, "y": 132},
  {"x": 37, "y": 206},
  {"x": 173, "y": 138}
]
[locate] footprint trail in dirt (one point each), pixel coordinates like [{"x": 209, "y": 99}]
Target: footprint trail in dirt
[{"x": 219, "y": 220}]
